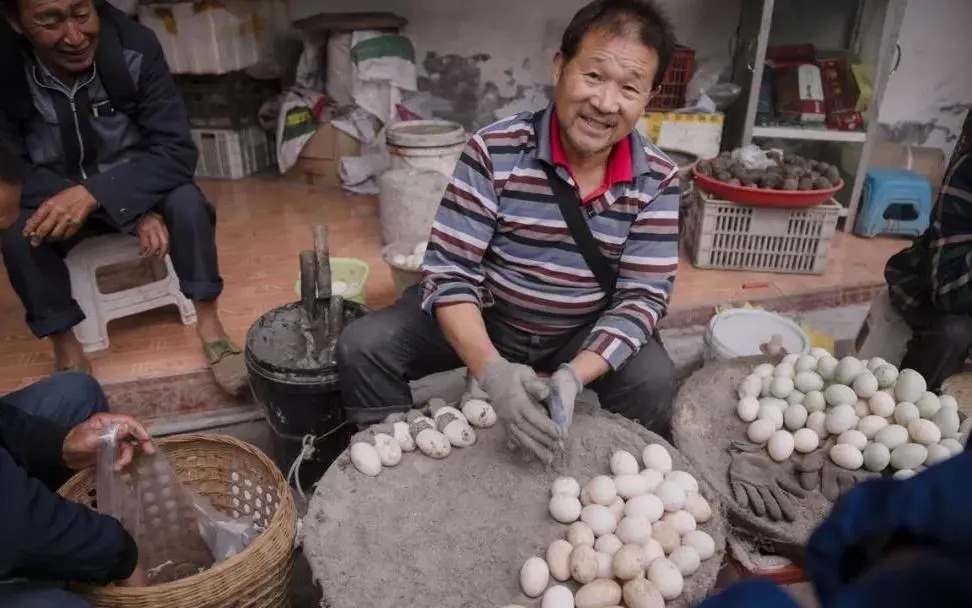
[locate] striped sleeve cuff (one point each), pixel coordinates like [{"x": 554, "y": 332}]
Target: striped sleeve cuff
[
  {"x": 454, "y": 292},
  {"x": 614, "y": 349}
]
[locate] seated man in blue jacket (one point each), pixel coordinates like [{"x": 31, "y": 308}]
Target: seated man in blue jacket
[
  {"x": 48, "y": 430},
  {"x": 89, "y": 103},
  {"x": 887, "y": 542}
]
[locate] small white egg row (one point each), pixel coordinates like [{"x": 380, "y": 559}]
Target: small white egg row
[
  {"x": 414, "y": 259},
  {"x": 434, "y": 435}
]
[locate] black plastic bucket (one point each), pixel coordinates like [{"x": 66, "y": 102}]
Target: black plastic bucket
[{"x": 298, "y": 398}]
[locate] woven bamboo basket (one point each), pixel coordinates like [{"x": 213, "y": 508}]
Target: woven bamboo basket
[{"x": 238, "y": 480}]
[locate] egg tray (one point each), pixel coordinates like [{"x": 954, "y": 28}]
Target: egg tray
[
  {"x": 455, "y": 532},
  {"x": 705, "y": 423}
]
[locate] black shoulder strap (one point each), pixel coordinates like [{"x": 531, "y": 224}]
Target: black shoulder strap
[
  {"x": 110, "y": 57},
  {"x": 570, "y": 207}
]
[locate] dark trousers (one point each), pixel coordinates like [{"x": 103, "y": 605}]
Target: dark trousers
[
  {"x": 380, "y": 353},
  {"x": 40, "y": 277},
  {"x": 67, "y": 398},
  {"x": 939, "y": 345}
]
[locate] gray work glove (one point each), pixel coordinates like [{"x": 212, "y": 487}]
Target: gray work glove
[
  {"x": 768, "y": 488},
  {"x": 817, "y": 471},
  {"x": 565, "y": 385},
  {"x": 516, "y": 394}
]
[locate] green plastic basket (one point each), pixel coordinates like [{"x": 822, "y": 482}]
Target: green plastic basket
[{"x": 352, "y": 271}]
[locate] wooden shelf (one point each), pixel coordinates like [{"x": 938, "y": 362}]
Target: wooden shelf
[{"x": 809, "y": 134}]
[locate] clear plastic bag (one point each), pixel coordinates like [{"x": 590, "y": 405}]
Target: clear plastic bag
[{"x": 178, "y": 532}]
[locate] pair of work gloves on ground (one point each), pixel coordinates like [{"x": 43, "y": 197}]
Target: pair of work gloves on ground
[
  {"x": 772, "y": 489},
  {"x": 535, "y": 413}
]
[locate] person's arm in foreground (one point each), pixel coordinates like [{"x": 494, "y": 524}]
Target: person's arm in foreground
[
  {"x": 950, "y": 256},
  {"x": 46, "y": 536},
  {"x": 130, "y": 190},
  {"x": 453, "y": 278}
]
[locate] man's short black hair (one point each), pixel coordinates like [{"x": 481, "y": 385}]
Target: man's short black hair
[
  {"x": 11, "y": 165},
  {"x": 641, "y": 19}
]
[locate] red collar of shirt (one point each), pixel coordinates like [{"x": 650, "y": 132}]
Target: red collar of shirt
[{"x": 619, "y": 166}]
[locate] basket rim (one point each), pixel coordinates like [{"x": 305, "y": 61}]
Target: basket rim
[{"x": 285, "y": 510}]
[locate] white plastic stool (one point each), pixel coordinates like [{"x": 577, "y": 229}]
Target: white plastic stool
[{"x": 83, "y": 262}]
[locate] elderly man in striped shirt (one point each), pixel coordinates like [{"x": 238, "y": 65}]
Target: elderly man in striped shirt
[{"x": 554, "y": 249}]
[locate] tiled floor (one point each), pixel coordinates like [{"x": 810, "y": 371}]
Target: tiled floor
[{"x": 264, "y": 223}]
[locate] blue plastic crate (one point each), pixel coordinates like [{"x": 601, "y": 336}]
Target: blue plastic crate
[{"x": 894, "y": 202}]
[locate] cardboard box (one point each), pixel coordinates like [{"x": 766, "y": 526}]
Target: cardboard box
[
  {"x": 926, "y": 161},
  {"x": 700, "y": 134},
  {"x": 319, "y": 160}
]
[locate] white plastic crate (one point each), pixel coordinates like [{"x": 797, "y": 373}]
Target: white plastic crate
[
  {"x": 233, "y": 154},
  {"x": 215, "y": 38},
  {"x": 730, "y": 236}
]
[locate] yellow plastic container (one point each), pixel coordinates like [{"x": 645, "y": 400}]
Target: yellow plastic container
[{"x": 351, "y": 271}]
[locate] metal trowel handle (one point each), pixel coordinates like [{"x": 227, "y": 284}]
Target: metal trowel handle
[
  {"x": 308, "y": 283},
  {"x": 555, "y": 406}
]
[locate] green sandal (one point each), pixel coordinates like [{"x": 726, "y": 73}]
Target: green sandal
[
  {"x": 226, "y": 361},
  {"x": 84, "y": 368}
]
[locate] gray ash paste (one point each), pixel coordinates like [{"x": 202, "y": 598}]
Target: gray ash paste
[
  {"x": 454, "y": 533},
  {"x": 286, "y": 338}
]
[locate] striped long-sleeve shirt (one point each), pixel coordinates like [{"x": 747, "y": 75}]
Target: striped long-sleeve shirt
[{"x": 499, "y": 240}]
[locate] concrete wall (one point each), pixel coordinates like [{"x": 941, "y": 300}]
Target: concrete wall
[
  {"x": 484, "y": 60},
  {"x": 929, "y": 95}
]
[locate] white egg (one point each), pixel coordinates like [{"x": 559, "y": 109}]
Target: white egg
[
  {"x": 947, "y": 420},
  {"x": 558, "y": 559},
  {"x": 702, "y": 542},
  {"x": 365, "y": 458},
  {"x": 666, "y": 577},
  {"x": 750, "y": 386},
  {"x": 764, "y": 370},
  {"x": 682, "y": 521},
  {"x": 605, "y": 569},
  {"x": 630, "y": 485},
  {"x": 870, "y": 425},
  {"x": 747, "y": 409},
  {"x": 534, "y": 576},
  {"x": 602, "y": 490},
  {"x": 656, "y": 456},
  {"x": 848, "y": 369},
  {"x": 861, "y": 409},
  {"x": 665, "y": 534},
  {"x": 389, "y": 451},
  {"x": 795, "y": 398},
  {"x": 827, "y": 367},
  {"x": 617, "y": 508},
  {"x": 633, "y": 530},
  {"x": 908, "y": 456},
  {"x": 686, "y": 559},
  {"x": 629, "y": 562},
  {"x": 865, "y": 385},
  {"x": 853, "y": 437},
  {"x": 904, "y": 474},
  {"x": 808, "y": 381},
  {"x": 671, "y": 494},
  {"x": 647, "y": 506},
  {"x": 806, "y": 363},
  {"x": 795, "y": 417},
  {"x": 767, "y": 383},
  {"x": 760, "y": 431},
  {"x": 558, "y": 596},
  {"x": 909, "y": 386},
  {"x": 805, "y": 441},
  {"x": 886, "y": 375},
  {"x": 583, "y": 564},
  {"x": 948, "y": 401},
  {"x": 928, "y": 405},
  {"x": 403, "y": 436},
  {"x": 814, "y": 402},
  {"x": 598, "y": 593},
  {"x": 400, "y": 259},
  {"x": 565, "y": 485},
  {"x": 685, "y": 479},
  {"x": 565, "y": 508},
  {"x": 698, "y": 506},
  {"x": 579, "y": 533},
  {"x": 905, "y": 412},
  {"x": 882, "y": 404},
  {"x": 653, "y": 550},
  {"x": 600, "y": 519},
  {"x": 339, "y": 288},
  {"x": 841, "y": 418},
  {"x": 654, "y": 478},
  {"x": 937, "y": 453},
  {"x": 623, "y": 463},
  {"x": 818, "y": 351},
  {"x": 892, "y": 436},
  {"x": 817, "y": 422},
  {"x": 641, "y": 593},
  {"x": 781, "y": 387},
  {"x": 877, "y": 456},
  {"x": 609, "y": 543},
  {"x": 780, "y": 445},
  {"x": 479, "y": 413},
  {"x": 847, "y": 456},
  {"x": 433, "y": 444},
  {"x": 924, "y": 432},
  {"x": 840, "y": 394},
  {"x": 953, "y": 446}
]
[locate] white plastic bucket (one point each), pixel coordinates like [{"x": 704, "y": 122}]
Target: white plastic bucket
[
  {"x": 740, "y": 332},
  {"x": 426, "y": 144},
  {"x": 884, "y": 333},
  {"x": 407, "y": 201}
]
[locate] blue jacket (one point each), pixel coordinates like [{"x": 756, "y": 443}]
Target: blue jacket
[
  {"x": 121, "y": 131},
  {"x": 43, "y": 536}
]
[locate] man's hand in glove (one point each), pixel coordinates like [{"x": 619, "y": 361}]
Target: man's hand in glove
[
  {"x": 817, "y": 471},
  {"x": 768, "y": 488},
  {"x": 516, "y": 394},
  {"x": 565, "y": 385}
]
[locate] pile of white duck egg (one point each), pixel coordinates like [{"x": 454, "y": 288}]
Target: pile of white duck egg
[
  {"x": 632, "y": 536},
  {"x": 412, "y": 260},
  {"x": 433, "y": 430},
  {"x": 882, "y": 419}
]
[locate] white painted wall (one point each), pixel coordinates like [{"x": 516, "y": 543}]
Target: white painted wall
[
  {"x": 520, "y": 37},
  {"x": 928, "y": 97}
]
